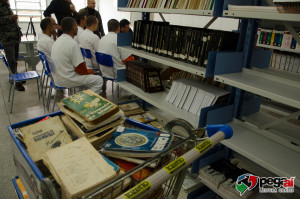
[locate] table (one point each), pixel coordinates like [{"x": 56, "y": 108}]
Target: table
[{"x": 30, "y": 55}]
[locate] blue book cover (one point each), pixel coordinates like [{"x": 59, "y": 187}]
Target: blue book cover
[{"x": 134, "y": 140}]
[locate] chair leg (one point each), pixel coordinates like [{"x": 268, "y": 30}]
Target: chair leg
[
  {"x": 49, "y": 97},
  {"x": 12, "y": 99},
  {"x": 118, "y": 90},
  {"x": 46, "y": 86},
  {"x": 10, "y": 91},
  {"x": 112, "y": 90},
  {"x": 38, "y": 87},
  {"x": 54, "y": 100}
]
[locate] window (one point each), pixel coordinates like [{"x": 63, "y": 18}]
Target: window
[{"x": 28, "y": 8}]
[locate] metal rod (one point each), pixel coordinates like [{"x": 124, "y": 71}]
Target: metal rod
[
  {"x": 210, "y": 22},
  {"x": 162, "y": 17}
]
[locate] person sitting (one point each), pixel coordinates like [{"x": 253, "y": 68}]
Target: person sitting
[
  {"x": 124, "y": 26},
  {"x": 81, "y": 23},
  {"x": 46, "y": 40},
  {"x": 108, "y": 45},
  {"x": 89, "y": 40},
  {"x": 69, "y": 69}
]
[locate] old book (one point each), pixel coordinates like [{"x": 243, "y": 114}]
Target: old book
[
  {"x": 83, "y": 123},
  {"x": 91, "y": 106},
  {"x": 43, "y": 136},
  {"x": 156, "y": 125},
  {"x": 129, "y": 106},
  {"x": 78, "y": 167},
  {"x": 143, "y": 118}
]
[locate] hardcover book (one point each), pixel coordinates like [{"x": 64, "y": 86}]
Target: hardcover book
[{"x": 91, "y": 106}]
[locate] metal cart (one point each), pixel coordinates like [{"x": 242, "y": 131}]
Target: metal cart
[{"x": 167, "y": 168}]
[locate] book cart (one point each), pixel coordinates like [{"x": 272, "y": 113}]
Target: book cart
[
  {"x": 267, "y": 141},
  {"x": 38, "y": 186}
]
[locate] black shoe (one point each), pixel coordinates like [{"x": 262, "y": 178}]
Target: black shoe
[{"x": 19, "y": 87}]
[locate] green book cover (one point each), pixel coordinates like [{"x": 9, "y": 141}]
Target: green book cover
[{"x": 90, "y": 106}]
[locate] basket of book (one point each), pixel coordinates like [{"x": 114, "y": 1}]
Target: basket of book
[{"x": 90, "y": 150}]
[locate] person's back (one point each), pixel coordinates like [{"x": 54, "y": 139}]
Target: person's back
[
  {"x": 88, "y": 40},
  {"x": 69, "y": 69},
  {"x": 45, "y": 40}
]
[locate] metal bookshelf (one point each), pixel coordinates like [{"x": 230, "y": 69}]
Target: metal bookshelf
[
  {"x": 278, "y": 48},
  {"x": 278, "y": 159},
  {"x": 169, "y": 11},
  {"x": 262, "y": 15},
  {"x": 260, "y": 84},
  {"x": 197, "y": 70},
  {"x": 158, "y": 100}
]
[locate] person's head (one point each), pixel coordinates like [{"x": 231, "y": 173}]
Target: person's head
[
  {"x": 48, "y": 25},
  {"x": 124, "y": 25},
  {"x": 69, "y": 26},
  {"x": 92, "y": 23},
  {"x": 81, "y": 20},
  {"x": 113, "y": 25},
  {"x": 4, "y": 1},
  {"x": 91, "y": 4}
]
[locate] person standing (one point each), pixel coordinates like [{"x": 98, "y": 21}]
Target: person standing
[
  {"x": 90, "y": 10},
  {"x": 10, "y": 37},
  {"x": 61, "y": 9}
]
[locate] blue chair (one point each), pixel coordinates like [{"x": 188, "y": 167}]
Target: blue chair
[
  {"x": 44, "y": 75},
  {"x": 87, "y": 55},
  {"x": 19, "y": 78},
  {"x": 52, "y": 83},
  {"x": 106, "y": 60}
]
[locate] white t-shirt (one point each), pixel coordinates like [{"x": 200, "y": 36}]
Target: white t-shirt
[
  {"x": 80, "y": 30},
  {"x": 45, "y": 44},
  {"x": 66, "y": 55},
  {"x": 89, "y": 40},
  {"x": 108, "y": 45}
]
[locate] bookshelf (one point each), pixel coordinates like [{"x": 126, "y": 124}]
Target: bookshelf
[
  {"x": 170, "y": 11},
  {"x": 262, "y": 15},
  {"x": 256, "y": 82},
  {"x": 197, "y": 70},
  {"x": 158, "y": 100},
  {"x": 278, "y": 159},
  {"x": 278, "y": 48}
]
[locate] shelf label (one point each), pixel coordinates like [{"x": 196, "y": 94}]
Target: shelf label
[
  {"x": 175, "y": 165},
  {"x": 137, "y": 190},
  {"x": 203, "y": 146}
]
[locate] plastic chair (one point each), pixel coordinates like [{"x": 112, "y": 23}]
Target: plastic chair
[
  {"x": 52, "y": 83},
  {"x": 15, "y": 78},
  {"x": 87, "y": 55},
  {"x": 20, "y": 56},
  {"x": 106, "y": 60},
  {"x": 44, "y": 75}
]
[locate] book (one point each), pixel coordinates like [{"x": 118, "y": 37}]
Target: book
[
  {"x": 43, "y": 136},
  {"x": 156, "y": 125},
  {"x": 143, "y": 118},
  {"x": 78, "y": 167},
  {"x": 287, "y": 40},
  {"x": 136, "y": 143},
  {"x": 91, "y": 106}
]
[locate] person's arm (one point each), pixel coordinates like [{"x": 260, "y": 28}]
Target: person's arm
[
  {"x": 130, "y": 58},
  {"x": 100, "y": 25},
  {"x": 50, "y": 9},
  {"x": 81, "y": 69}
]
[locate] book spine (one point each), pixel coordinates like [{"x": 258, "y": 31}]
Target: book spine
[
  {"x": 269, "y": 36},
  {"x": 280, "y": 37},
  {"x": 293, "y": 43},
  {"x": 265, "y": 36},
  {"x": 272, "y": 38}
]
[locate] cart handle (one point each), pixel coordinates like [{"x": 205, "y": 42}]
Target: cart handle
[{"x": 217, "y": 133}]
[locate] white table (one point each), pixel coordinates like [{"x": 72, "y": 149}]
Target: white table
[{"x": 30, "y": 55}]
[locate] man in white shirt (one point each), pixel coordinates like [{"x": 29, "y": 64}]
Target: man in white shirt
[
  {"x": 89, "y": 40},
  {"x": 46, "y": 40},
  {"x": 81, "y": 23},
  {"x": 108, "y": 45},
  {"x": 69, "y": 69}
]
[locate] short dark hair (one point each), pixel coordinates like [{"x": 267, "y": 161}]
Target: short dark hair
[
  {"x": 79, "y": 17},
  {"x": 45, "y": 22},
  {"x": 113, "y": 25},
  {"x": 124, "y": 22},
  {"x": 90, "y": 20},
  {"x": 67, "y": 24}
]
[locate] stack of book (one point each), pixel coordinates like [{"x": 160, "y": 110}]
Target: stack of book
[
  {"x": 277, "y": 38},
  {"x": 172, "y": 4},
  {"x": 130, "y": 109},
  {"x": 135, "y": 143},
  {"x": 186, "y": 44},
  {"x": 143, "y": 76},
  {"x": 285, "y": 61},
  {"x": 192, "y": 96},
  {"x": 89, "y": 115}
]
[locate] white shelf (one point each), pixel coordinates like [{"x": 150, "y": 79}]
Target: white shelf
[
  {"x": 278, "y": 48},
  {"x": 262, "y": 15},
  {"x": 264, "y": 85},
  {"x": 197, "y": 70},
  {"x": 169, "y": 11},
  {"x": 158, "y": 100},
  {"x": 274, "y": 157}
]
